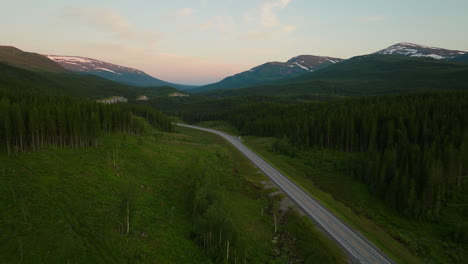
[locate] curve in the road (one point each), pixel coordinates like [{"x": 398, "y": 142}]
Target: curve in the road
[{"x": 359, "y": 248}]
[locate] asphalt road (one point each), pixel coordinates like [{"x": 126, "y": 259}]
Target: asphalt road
[{"x": 359, "y": 248}]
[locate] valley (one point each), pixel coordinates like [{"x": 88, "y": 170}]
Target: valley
[{"x": 311, "y": 159}]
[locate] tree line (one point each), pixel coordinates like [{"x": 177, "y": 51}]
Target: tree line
[
  {"x": 30, "y": 120},
  {"x": 416, "y": 145}
]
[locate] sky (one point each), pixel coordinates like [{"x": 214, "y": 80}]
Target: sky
[{"x": 203, "y": 41}]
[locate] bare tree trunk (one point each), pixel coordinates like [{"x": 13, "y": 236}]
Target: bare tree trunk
[
  {"x": 459, "y": 177},
  {"x": 12, "y": 190},
  {"x": 21, "y": 250},
  {"x": 11, "y": 187},
  {"x": 128, "y": 218},
  {"x": 227, "y": 251},
  {"x": 274, "y": 219},
  {"x": 8, "y": 148},
  {"x": 113, "y": 157},
  {"x": 204, "y": 242},
  {"x": 115, "y": 160},
  {"x": 219, "y": 243},
  {"x": 22, "y": 210}
]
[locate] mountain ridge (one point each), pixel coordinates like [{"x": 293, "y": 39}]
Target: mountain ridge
[
  {"x": 417, "y": 50},
  {"x": 271, "y": 72},
  {"x": 75, "y": 85},
  {"x": 372, "y": 74},
  {"x": 28, "y": 60},
  {"x": 114, "y": 72}
]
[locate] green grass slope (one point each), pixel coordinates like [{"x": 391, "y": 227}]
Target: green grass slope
[
  {"x": 27, "y": 60},
  {"x": 366, "y": 75},
  {"x": 71, "y": 205}
]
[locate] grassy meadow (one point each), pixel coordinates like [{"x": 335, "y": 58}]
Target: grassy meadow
[{"x": 130, "y": 200}]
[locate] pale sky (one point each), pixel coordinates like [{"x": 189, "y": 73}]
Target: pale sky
[{"x": 203, "y": 41}]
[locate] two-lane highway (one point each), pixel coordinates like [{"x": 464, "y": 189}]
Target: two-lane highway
[{"x": 360, "y": 249}]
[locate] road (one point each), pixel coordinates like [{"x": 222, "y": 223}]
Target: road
[{"x": 362, "y": 250}]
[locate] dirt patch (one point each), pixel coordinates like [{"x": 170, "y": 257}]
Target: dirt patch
[{"x": 284, "y": 201}]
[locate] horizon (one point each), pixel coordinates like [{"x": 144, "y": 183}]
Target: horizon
[{"x": 225, "y": 37}]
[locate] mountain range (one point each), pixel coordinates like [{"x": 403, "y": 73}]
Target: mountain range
[
  {"x": 26, "y": 70},
  {"x": 275, "y": 71},
  {"x": 74, "y": 85},
  {"x": 374, "y": 74},
  {"x": 293, "y": 69},
  {"x": 80, "y": 65},
  {"x": 271, "y": 72},
  {"x": 121, "y": 74},
  {"x": 296, "y": 70}
]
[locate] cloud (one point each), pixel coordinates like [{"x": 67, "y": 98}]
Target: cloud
[
  {"x": 184, "y": 12},
  {"x": 223, "y": 24},
  {"x": 268, "y": 11},
  {"x": 109, "y": 21},
  {"x": 375, "y": 18},
  {"x": 268, "y": 25},
  {"x": 270, "y": 33}
]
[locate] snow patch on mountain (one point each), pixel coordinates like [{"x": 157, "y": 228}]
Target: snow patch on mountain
[
  {"x": 415, "y": 50},
  {"x": 104, "y": 69},
  {"x": 311, "y": 62},
  {"x": 332, "y": 60},
  {"x": 82, "y": 64},
  {"x": 69, "y": 59},
  {"x": 299, "y": 65}
]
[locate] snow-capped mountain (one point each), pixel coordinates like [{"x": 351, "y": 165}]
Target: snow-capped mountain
[
  {"x": 414, "y": 50},
  {"x": 271, "y": 72},
  {"x": 86, "y": 65},
  {"x": 311, "y": 63},
  {"x": 109, "y": 71}
]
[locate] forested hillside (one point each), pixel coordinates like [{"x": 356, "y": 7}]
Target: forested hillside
[
  {"x": 416, "y": 145},
  {"x": 68, "y": 84},
  {"x": 30, "y": 120},
  {"x": 462, "y": 58},
  {"x": 365, "y": 76}
]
